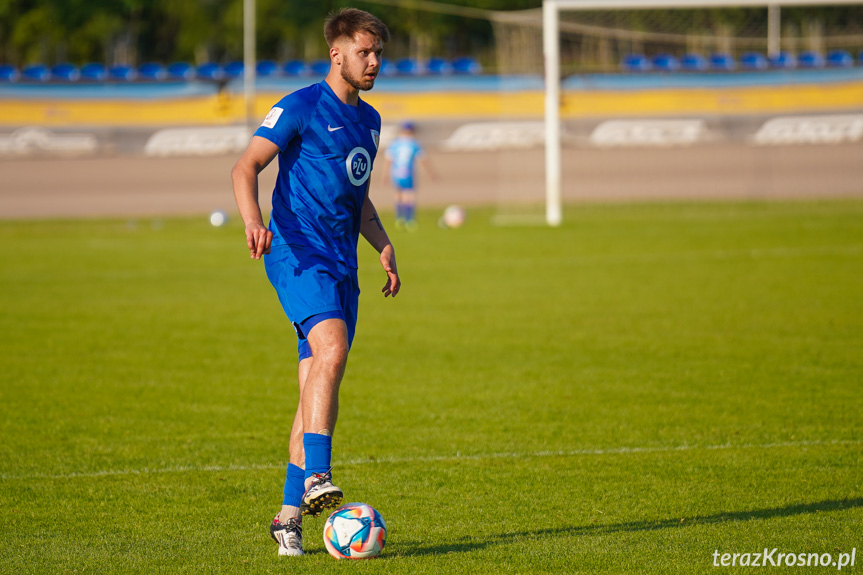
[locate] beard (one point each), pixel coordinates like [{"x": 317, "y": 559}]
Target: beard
[{"x": 357, "y": 82}]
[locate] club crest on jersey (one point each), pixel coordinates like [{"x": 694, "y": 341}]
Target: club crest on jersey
[
  {"x": 272, "y": 117},
  {"x": 376, "y": 136},
  {"x": 359, "y": 165}
]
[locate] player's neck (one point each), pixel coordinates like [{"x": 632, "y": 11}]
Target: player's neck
[{"x": 343, "y": 91}]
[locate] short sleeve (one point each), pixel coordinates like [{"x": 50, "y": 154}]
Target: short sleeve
[{"x": 285, "y": 120}]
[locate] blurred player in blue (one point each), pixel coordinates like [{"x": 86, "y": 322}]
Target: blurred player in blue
[
  {"x": 326, "y": 138},
  {"x": 402, "y": 156}
]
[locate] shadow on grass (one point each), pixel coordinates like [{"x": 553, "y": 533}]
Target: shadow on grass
[{"x": 473, "y": 544}]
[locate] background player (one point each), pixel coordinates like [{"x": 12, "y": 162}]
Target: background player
[
  {"x": 402, "y": 156},
  {"x": 326, "y": 140}
]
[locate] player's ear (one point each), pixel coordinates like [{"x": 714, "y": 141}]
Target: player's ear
[{"x": 336, "y": 54}]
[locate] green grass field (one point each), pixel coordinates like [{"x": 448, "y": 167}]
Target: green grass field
[{"x": 626, "y": 394}]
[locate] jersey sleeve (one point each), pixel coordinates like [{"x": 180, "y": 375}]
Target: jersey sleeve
[{"x": 286, "y": 119}]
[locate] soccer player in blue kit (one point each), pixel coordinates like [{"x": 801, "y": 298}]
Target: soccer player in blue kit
[
  {"x": 401, "y": 156},
  {"x": 326, "y": 138}
]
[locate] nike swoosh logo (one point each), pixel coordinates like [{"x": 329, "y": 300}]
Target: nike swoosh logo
[{"x": 333, "y": 129}]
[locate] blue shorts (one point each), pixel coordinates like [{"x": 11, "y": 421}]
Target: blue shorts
[
  {"x": 312, "y": 289},
  {"x": 404, "y": 184}
]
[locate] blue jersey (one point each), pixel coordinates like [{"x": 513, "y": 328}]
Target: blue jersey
[
  {"x": 327, "y": 149},
  {"x": 403, "y": 152}
]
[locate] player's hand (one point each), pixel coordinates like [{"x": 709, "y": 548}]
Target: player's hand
[
  {"x": 258, "y": 238},
  {"x": 388, "y": 261}
]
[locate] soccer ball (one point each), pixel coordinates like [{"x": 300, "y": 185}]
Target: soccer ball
[
  {"x": 218, "y": 218},
  {"x": 453, "y": 217},
  {"x": 355, "y": 531}
]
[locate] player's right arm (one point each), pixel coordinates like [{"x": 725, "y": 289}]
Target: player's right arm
[{"x": 245, "y": 178}]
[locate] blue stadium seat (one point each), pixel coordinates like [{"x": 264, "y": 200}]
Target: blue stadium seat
[
  {"x": 839, "y": 59},
  {"x": 408, "y": 67},
  {"x": 234, "y": 69},
  {"x": 753, "y": 61},
  {"x": 722, "y": 62},
  {"x": 388, "y": 67},
  {"x": 810, "y": 60},
  {"x": 210, "y": 71},
  {"x": 36, "y": 73},
  {"x": 8, "y": 73},
  {"x": 152, "y": 71},
  {"x": 93, "y": 72},
  {"x": 694, "y": 63},
  {"x": 784, "y": 60},
  {"x": 65, "y": 72},
  {"x": 665, "y": 63},
  {"x": 181, "y": 71},
  {"x": 321, "y": 67},
  {"x": 466, "y": 65},
  {"x": 635, "y": 63},
  {"x": 438, "y": 66},
  {"x": 296, "y": 68},
  {"x": 266, "y": 68},
  {"x": 122, "y": 73}
]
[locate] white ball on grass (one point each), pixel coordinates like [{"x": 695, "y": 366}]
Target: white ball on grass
[
  {"x": 453, "y": 217},
  {"x": 218, "y": 218}
]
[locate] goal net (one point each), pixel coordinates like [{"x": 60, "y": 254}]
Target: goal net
[{"x": 579, "y": 44}]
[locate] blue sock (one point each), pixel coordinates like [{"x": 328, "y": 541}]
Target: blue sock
[
  {"x": 319, "y": 449},
  {"x": 294, "y": 486},
  {"x": 410, "y": 212},
  {"x": 400, "y": 211}
]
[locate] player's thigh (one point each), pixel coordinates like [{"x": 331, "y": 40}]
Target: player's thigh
[{"x": 329, "y": 340}]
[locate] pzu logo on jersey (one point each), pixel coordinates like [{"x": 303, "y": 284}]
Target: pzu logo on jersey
[{"x": 359, "y": 166}]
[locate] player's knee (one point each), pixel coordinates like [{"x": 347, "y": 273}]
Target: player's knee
[{"x": 332, "y": 351}]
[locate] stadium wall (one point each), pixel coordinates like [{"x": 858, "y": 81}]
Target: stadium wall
[
  {"x": 457, "y": 113},
  {"x": 421, "y": 99}
]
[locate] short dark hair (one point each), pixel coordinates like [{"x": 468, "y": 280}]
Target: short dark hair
[{"x": 349, "y": 21}]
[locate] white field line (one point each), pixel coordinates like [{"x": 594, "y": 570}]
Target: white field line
[{"x": 440, "y": 458}]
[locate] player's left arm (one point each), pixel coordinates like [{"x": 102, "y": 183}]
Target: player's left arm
[
  {"x": 427, "y": 166},
  {"x": 373, "y": 231}
]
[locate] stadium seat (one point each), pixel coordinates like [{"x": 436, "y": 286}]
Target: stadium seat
[
  {"x": 753, "y": 61},
  {"x": 840, "y": 59},
  {"x": 785, "y": 60},
  {"x": 36, "y": 73},
  {"x": 810, "y": 60},
  {"x": 8, "y": 73},
  {"x": 722, "y": 62},
  {"x": 438, "y": 66},
  {"x": 321, "y": 67},
  {"x": 181, "y": 71},
  {"x": 408, "y": 67},
  {"x": 466, "y": 65},
  {"x": 266, "y": 68},
  {"x": 93, "y": 72},
  {"x": 665, "y": 63},
  {"x": 860, "y": 57},
  {"x": 694, "y": 63},
  {"x": 388, "y": 67},
  {"x": 152, "y": 71},
  {"x": 210, "y": 71},
  {"x": 122, "y": 73},
  {"x": 296, "y": 68},
  {"x": 65, "y": 72},
  {"x": 635, "y": 63},
  {"x": 234, "y": 69}
]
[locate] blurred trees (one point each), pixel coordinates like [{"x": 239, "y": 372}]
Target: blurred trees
[{"x": 135, "y": 31}]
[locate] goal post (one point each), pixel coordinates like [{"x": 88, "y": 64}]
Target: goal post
[{"x": 551, "y": 40}]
